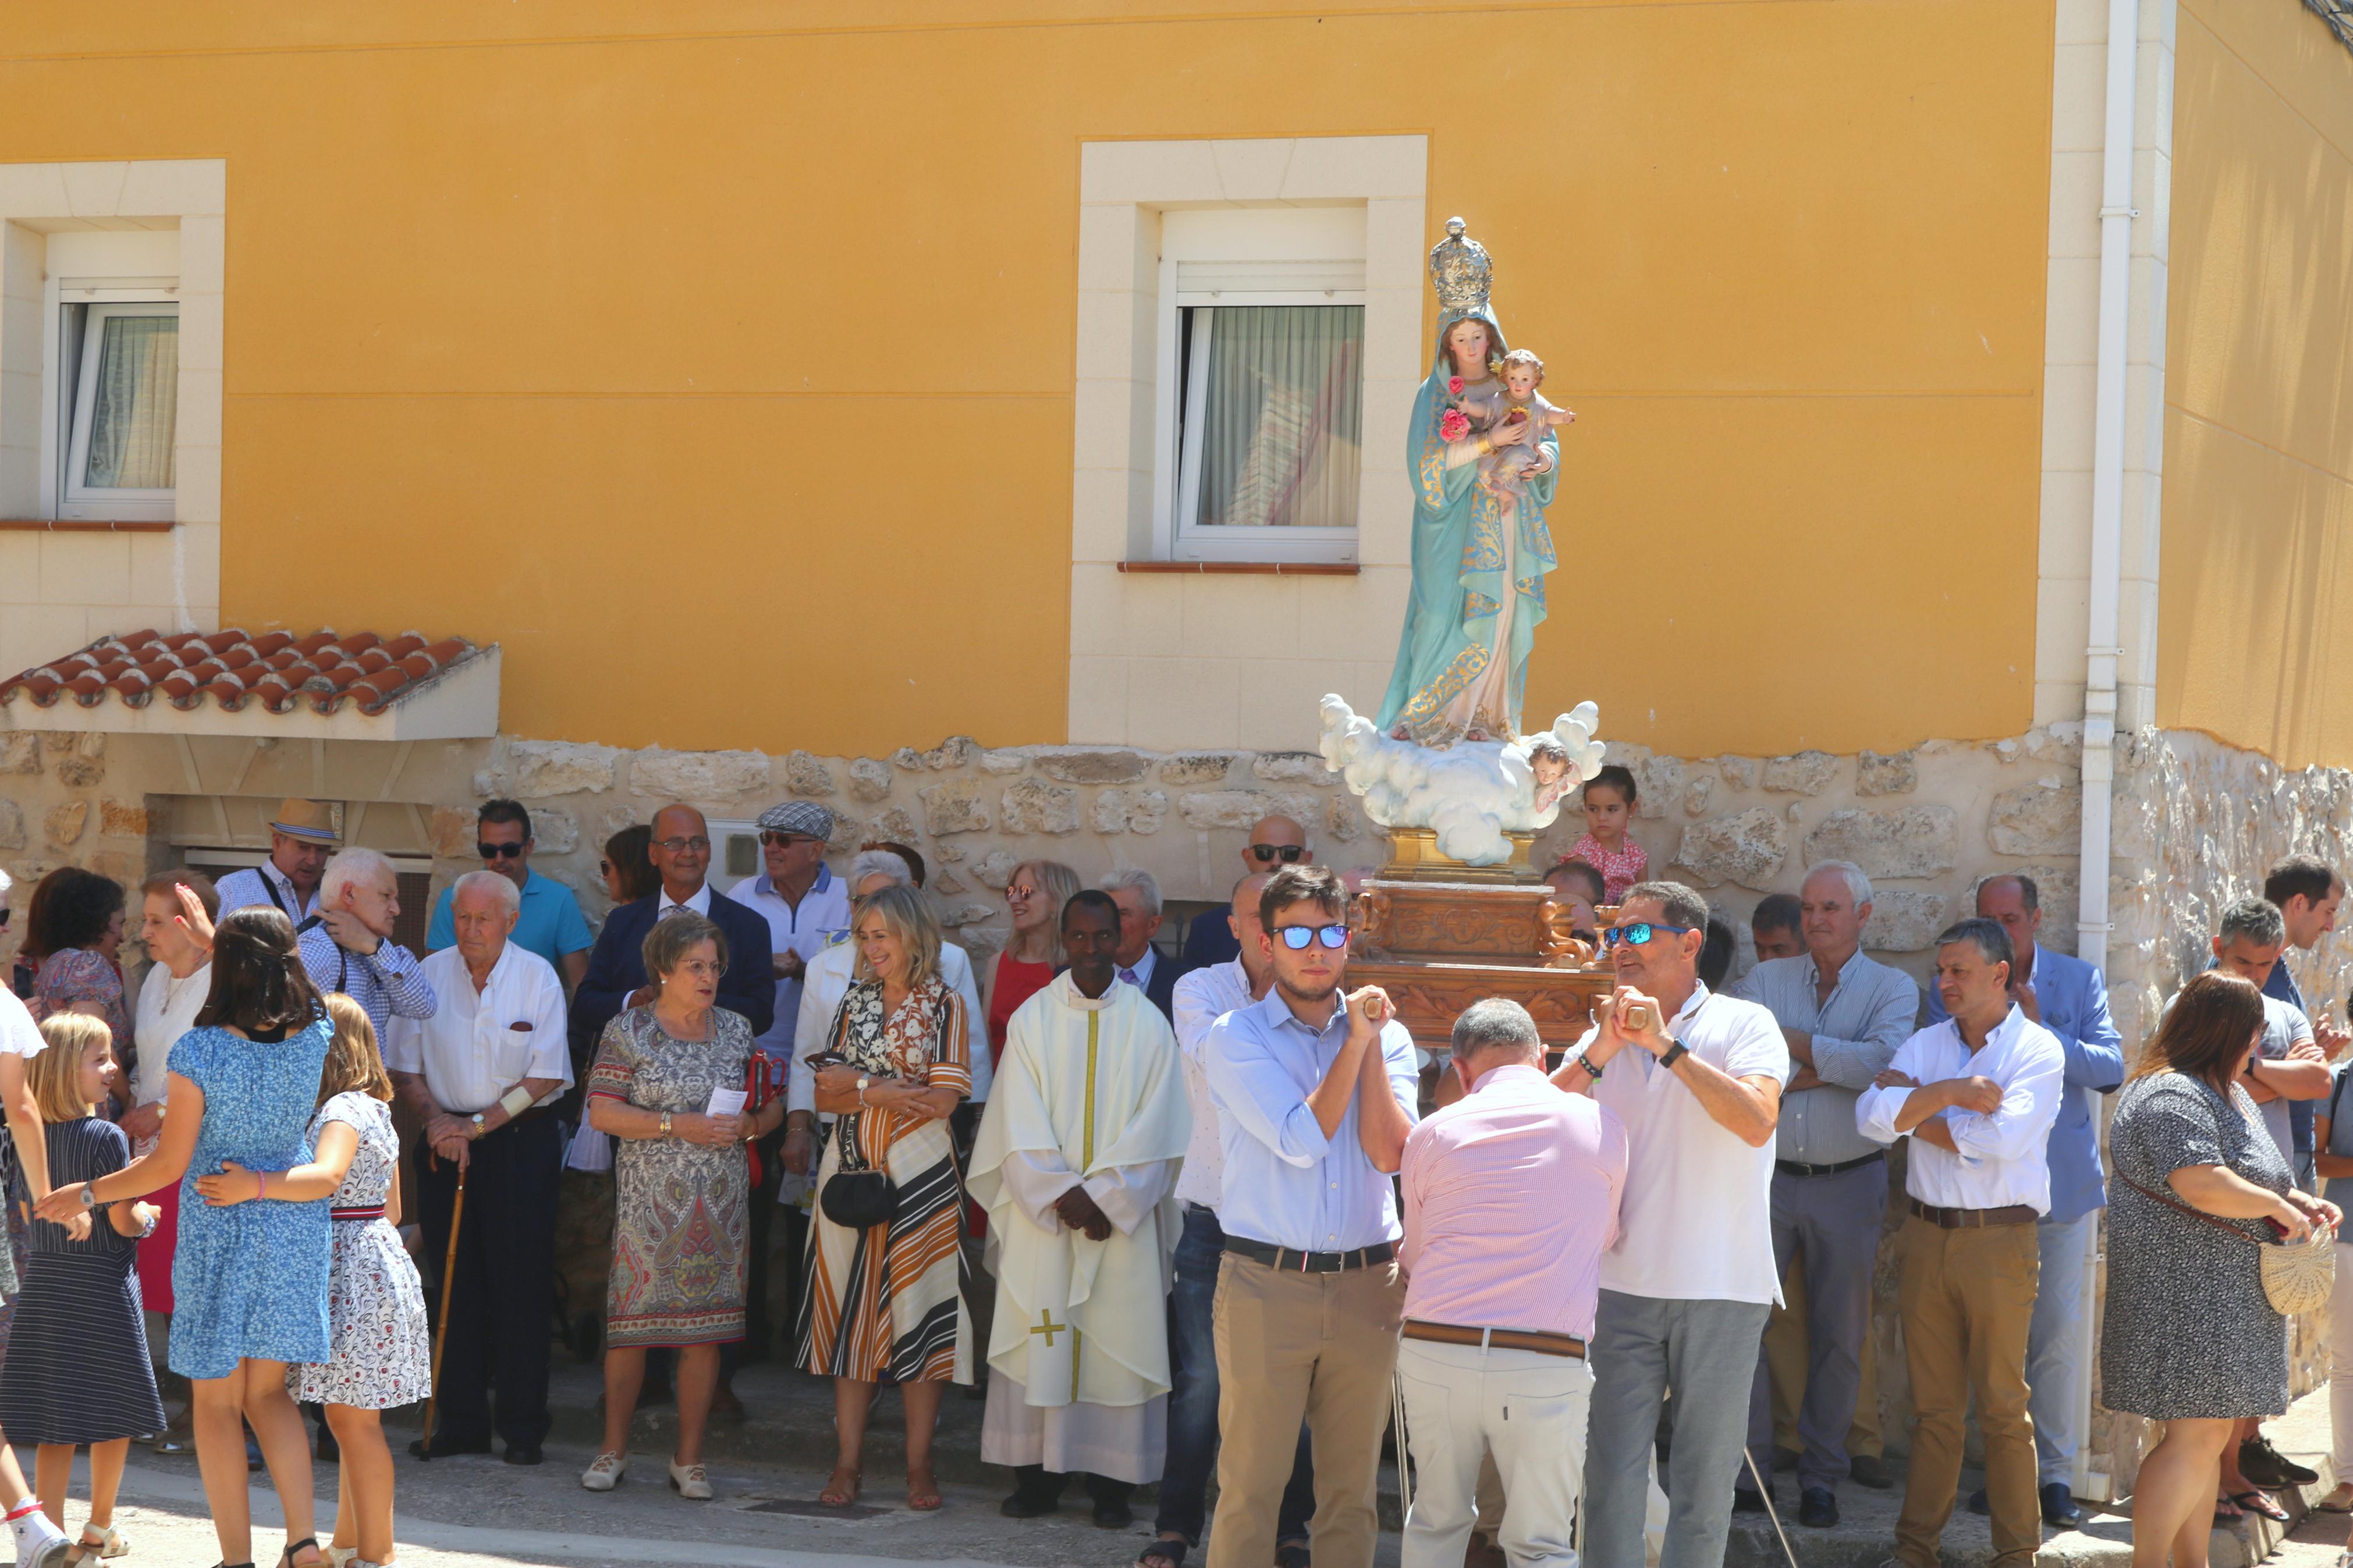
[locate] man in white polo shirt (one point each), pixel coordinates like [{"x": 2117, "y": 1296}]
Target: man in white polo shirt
[{"x": 1696, "y": 1079}]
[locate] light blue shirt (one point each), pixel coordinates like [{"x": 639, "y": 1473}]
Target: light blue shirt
[
  {"x": 1285, "y": 1183},
  {"x": 550, "y": 925},
  {"x": 1856, "y": 1033},
  {"x": 2073, "y": 1002}
]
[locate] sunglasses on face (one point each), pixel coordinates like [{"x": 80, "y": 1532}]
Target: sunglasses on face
[
  {"x": 1296, "y": 937},
  {"x": 783, "y": 840},
  {"x": 680, "y": 846},
  {"x": 1639, "y": 934},
  {"x": 1268, "y": 853},
  {"x": 499, "y": 851}
]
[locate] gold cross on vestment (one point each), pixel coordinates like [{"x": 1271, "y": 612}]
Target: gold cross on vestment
[{"x": 1048, "y": 1327}]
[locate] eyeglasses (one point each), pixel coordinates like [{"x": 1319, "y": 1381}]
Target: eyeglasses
[
  {"x": 698, "y": 844},
  {"x": 1296, "y": 937},
  {"x": 1639, "y": 934},
  {"x": 1268, "y": 853},
  {"x": 499, "y": 851},
  {"x": 782, "y": 840}
]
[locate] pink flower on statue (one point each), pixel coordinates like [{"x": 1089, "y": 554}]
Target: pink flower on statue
[
  {"x": 1454, "y": 385},
  {"x": 1454, "y": 425}
]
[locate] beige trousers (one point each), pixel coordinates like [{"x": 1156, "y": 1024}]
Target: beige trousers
[{"x": 1318, "y": 1346}]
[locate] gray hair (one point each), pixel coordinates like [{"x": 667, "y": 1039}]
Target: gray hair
[
  {"x": 1858, "y": 886},
  {"x": 1497, "y": 1022},
  {"x": 350, "y": 866},
  {"x": 1987, "y": 936},
  {"x": 1683, "y": 906},
  {"x": 1145, "y": 885},
  {"x": 510, "y": 896},
  {"x": 2257, "y": 919},
  {"x": 667, "y": 943},
  {"x": 881, "y": 863}
]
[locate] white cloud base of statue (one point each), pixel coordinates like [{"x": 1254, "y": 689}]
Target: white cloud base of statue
[{"x": 1472, "y": 794}]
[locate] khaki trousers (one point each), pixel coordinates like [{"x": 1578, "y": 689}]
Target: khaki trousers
[
  {"x": 1787, "y": 1350},
  {"x": 1967, "y": 1298},
  {"x": 1318, "y": 1346}
]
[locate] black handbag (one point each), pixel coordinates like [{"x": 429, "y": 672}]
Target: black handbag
[{"x": 855, "y": 1197}]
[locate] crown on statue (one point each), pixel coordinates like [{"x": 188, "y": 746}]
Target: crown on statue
[{"x": 1460, "y": 271}]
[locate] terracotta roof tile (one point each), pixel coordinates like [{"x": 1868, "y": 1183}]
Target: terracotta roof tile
[{"x": 275, "y": 669}]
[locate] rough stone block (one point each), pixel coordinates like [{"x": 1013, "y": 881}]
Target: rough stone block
[
  {"x": 804, "y": 774},
  {"x": 895, "y": 825},
  {"x": 117, "y": 820},
  {"x": 1033, "y": 807},
  {"x": 869, "y": 780},
  {"x": 20, "y": 752},
  {"x": 951, "y": 854},
  {"x": 1129, "y": 810},
  {"x": 1195, "y": 768},
  {"x": 450, "y": 834},
  {"x": 78, "y": 771},
  {"x": 560, "y": 767},
  {"x": 995, "y": 868},
  {"x": 2039, "y": 819},
  {"x": 1242, "y": 808},
  {"x": 1904, "y": 921},
  {"x": 1804, "y": 773},
  {"x": 1658, "y": 784},
  {"x": 1698, "y": 794},
  {"x": 1886, "y": 773},
  {"x": 1917, "y": 841},
  {"x": 11, "y": 826},
  {"x": 1072, "y": 765},
  {"x": 1344, "y": 819},
  {"x": 953, "y": 806},
  {"x": 553, "y": 830},
  {"x": 1004, "y": 763},
  {"x": 64, "y": 823},
  {"x": 697, "y": 775},
  {"x": 1747, "y": 848},
  {"x": 958, "y": 916},
  {"x": 909, "y": 758},
  {"x": 1740, "y": 773},
  {"x": 945, "y": 882},
  {"x": 1293, "y": 767},
  {"x": 955, "y": 752}
]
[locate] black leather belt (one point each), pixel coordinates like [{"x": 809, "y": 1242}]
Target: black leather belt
[
  {"x": 1799, "y": 1168},
  {"x": 1299, "y": 1262},
  {"x": 1973, "y": 1219}
]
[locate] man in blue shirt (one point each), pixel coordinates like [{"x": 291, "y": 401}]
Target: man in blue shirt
[
  {"x": 2307, "y": 890},
  {"x": 551, "y": 924},
  {"x": 2068, "y": 997},
  {"x": 1316, "y": 1093}
]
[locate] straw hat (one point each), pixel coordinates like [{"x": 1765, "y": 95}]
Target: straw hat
[{"x": 311, "y": 820}]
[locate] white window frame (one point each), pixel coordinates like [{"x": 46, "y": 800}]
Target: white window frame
[
  {"x": 78, "y": 407},
  {"x": 1180, "y": 455}
]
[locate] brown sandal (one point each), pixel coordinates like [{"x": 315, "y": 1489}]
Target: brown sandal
[
  {"x": 926, "y": 1497},
  {"x": 837, "y": 1495}
]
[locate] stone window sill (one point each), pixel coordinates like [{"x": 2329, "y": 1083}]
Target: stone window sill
[
  {"x": 1260, "y": 568},
  {"x": 40, "y": 525}
]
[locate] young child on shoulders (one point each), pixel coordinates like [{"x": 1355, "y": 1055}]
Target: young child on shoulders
[
  {"x": 1609, "y": 797},
  {"x": 78, "y": 1370}
]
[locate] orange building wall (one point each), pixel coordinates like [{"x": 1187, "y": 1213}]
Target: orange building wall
[
  {"x": 2256, "y": 591},
  {"x": 724, "y": 375}
]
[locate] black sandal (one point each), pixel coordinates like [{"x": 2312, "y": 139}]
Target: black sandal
[
  {"x": 286, "y": 1558},
  {"x": 1169, "y": 1551}
]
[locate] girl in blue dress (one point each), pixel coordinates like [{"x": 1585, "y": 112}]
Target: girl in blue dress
[{"x": 248, "y": 1281}]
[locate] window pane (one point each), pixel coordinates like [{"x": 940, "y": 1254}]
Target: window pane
[
  {"x": 1279, "y": 443},
  {"x": 137, "y": 404}
]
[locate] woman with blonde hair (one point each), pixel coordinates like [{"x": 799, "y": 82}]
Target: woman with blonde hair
[
  {"x": 1033, "y": 955},
  {"x": 884, "y": 1292},
  {"x": 382, "y": 1353}
]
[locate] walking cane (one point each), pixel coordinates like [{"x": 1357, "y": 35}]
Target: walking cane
[
  {"x": 1765, "y": 1490},
  {"x": 441, "y": 1331}
]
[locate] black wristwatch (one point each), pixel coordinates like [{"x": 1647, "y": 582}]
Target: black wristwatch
[{"x": 1676, "y": 1051}]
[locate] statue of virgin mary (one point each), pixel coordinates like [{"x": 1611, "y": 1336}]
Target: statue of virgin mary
[{"x": 1480, "y": 553}]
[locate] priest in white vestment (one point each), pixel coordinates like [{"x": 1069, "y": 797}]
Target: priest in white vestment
[{"x": 1076, "y": 1164}]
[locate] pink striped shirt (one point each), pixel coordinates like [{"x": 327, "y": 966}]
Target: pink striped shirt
[{"x": 1511, "y": 1197}]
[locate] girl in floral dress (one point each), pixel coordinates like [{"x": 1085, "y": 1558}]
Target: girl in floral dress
[{"x": 382, "y": 1352}]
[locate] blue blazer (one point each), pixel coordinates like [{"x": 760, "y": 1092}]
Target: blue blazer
[
  {"x": 616, "y": 966},
  {"x": 2074, "y": 1000}
]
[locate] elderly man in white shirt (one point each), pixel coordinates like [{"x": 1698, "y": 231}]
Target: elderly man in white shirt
[
  {"x": 1976, "y": 1094},
  {"x": 483, "y": 1073}
]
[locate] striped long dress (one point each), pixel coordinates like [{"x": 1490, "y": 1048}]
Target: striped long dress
[{"x": 892, "y": 1299}]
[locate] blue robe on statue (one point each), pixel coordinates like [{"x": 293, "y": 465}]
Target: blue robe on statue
[{"x": 1478, "y": 560}]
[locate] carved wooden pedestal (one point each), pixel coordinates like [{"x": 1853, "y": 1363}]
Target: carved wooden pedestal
[{"x": 1436, "y": 944}]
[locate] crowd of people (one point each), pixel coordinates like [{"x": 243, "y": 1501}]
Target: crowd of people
[{"x": 1180, "y": 1209}]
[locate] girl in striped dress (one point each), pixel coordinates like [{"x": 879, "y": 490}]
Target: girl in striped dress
[{"x": 78, "y": 1370}]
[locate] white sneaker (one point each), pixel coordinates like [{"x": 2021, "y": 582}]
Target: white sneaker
[
  {"x": 689, "y": 1482},
  {"x": 606, "y": 1473},
  {"x": 44, "y": 1551}
]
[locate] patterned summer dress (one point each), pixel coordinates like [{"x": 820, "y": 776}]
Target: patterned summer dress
[
  {"x": 681, "y": 1211},
  {"x": 1620, "y": 868},
  {"x": 376, "y": 1304},
  {"x": 894, "y": 1300}
]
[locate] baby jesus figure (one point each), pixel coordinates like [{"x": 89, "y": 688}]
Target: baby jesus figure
[{"x": 1504, "y": 470}]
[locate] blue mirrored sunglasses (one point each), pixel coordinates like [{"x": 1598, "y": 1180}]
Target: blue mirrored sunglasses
[
  {"x": 1296, "y": 937},
  {"x": 1640, "y": 933}
]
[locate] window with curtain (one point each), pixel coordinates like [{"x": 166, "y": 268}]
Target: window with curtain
[
  {"x": 1271, "y": 406},
  {"x": 126, "y": 404}
]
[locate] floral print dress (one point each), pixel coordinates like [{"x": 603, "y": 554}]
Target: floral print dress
[{"x": 382, "y": 1353}]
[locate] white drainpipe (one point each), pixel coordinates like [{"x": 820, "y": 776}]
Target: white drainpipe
[{"x": 2106, "y": 568}]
